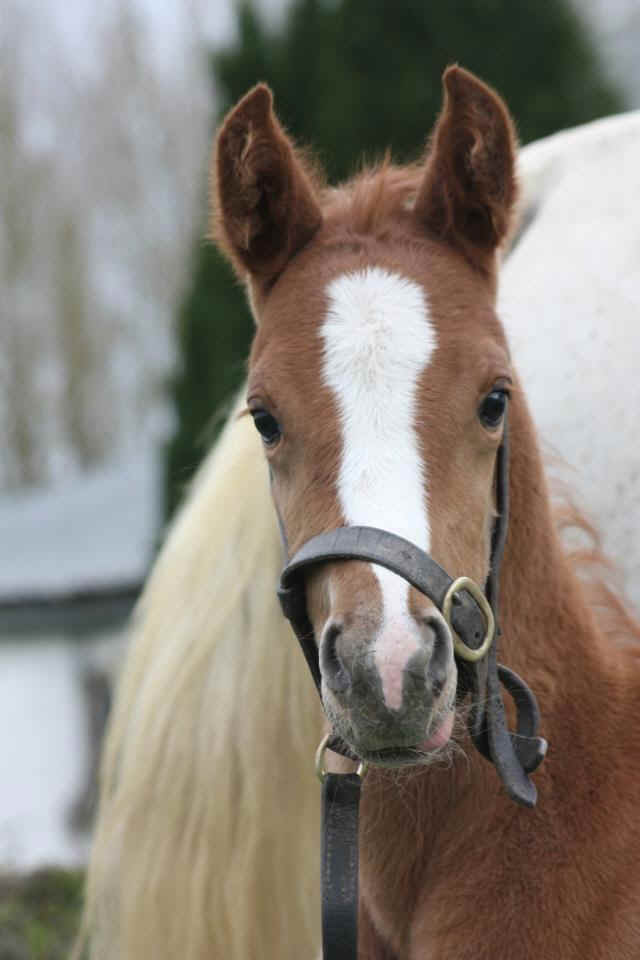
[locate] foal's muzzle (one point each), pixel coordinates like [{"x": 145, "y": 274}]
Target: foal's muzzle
[{"x": 380, "y": 695}]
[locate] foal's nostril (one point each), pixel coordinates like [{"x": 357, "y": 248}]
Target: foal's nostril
[
  {"x": 438, "y": 666},
  {"x": 333, "y": 670}
]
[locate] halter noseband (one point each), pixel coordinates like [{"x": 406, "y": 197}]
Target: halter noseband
[{"x": 472, "y": 617}]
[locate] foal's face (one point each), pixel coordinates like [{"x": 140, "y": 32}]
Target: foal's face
[
  {"x": 379, "y": 393},
  {"x": 378, "y": 380}
]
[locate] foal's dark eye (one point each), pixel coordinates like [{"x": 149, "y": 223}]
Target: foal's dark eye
[
  {"x": 492, "y": 408},
  {"x": 267, "y": 426}
]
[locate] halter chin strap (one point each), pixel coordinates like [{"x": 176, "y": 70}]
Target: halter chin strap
[{"x": 471, "y": 615}]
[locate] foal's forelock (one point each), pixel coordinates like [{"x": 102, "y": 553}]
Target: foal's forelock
[{"x": 378, "y": 341}]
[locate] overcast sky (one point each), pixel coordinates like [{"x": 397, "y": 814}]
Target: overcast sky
[
  {"x": 74, "y": 25},
  {"x": 70, "y": 29}
]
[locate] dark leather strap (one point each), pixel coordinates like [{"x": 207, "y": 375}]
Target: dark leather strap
[
  {"x": 513, "y": 754},
  {"x": 529, "y": 748},
  {"x": 340, "y": 805}
]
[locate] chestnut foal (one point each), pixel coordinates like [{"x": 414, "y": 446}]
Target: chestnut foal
[{"x": 379, "y": 380}]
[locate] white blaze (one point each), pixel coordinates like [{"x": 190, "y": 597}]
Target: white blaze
[{"x": 378, "y": 340}]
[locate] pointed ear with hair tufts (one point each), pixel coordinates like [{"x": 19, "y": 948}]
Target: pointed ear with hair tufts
[
  {"x": 469, "y": 188},
  {"x": 264, "y": 204}
]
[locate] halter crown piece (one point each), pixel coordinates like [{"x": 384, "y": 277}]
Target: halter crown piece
[{"x": 472, "y": 616}]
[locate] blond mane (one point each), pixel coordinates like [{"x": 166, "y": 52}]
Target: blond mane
[
  {"x": 208, "y": 797},
  {"x": 598, "y": 573}
]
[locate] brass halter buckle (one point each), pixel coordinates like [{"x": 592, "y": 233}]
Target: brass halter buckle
[
  {"x": 321, "y": 770},
  {"x": 461, "y": 649}
]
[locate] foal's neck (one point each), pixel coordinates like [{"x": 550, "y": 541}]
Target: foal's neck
[{"x": 549, "y": 632}]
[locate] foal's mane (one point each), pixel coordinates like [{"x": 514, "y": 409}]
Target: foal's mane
[
  {"x": 373, "y": 199},
  {"x": 378, "y": 197},
  {"x": 597, "y": 572}
]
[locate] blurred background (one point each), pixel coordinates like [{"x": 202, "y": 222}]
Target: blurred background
[{"x": 123, "y": 335}]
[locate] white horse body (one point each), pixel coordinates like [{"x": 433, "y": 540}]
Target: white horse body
[
  {"x": 570, "y": 301},
  {"x": 207, "y": 841}
]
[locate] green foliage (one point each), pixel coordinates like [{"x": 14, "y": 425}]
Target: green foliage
[
  {"x": 352, "y": 77},
  {"x": 39, "y": 914}
]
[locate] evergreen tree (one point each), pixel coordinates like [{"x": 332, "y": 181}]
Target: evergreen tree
[{"x": 352, "y": 77}]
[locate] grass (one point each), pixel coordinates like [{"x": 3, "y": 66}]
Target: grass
[{"x": 39, "y": 914}]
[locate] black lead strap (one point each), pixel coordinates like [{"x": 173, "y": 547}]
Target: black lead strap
[
  {"x": 339, "y": 865},
  {"x": 515, "y": 755}
]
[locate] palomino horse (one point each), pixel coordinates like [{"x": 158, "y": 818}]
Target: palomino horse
[{"x": 206, "y": 840}]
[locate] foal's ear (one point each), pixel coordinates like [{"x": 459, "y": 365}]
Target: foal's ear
[
  {"x": 264, "y": 204},
  {"x": 469, "y": 188}
]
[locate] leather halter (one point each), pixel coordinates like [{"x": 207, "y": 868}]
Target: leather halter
[
  {"x": 514, "y": 755},
  {"x": 473, "y": 617}
]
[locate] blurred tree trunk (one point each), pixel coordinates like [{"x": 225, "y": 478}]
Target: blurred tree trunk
[
  {"x": 100, "y": 169},
  {"x": 20, "y": 180},
  {"x": 79, "y": 350}
]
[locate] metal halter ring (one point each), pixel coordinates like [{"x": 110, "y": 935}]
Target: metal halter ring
[
  {"x": 461, "y": 648},
  {"x": 321, "y": 771}
]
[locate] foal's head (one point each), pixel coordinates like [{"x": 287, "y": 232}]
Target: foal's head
[{"x": 378, "y": 382}]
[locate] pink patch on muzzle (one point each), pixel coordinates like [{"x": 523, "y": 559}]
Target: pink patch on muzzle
[
  {"x": 441, "y": 735},
  {"x": 394, "y": 649}
]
